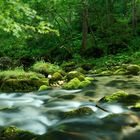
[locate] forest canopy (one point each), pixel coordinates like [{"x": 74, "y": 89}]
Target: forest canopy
[{"x": 63, "y": 30}]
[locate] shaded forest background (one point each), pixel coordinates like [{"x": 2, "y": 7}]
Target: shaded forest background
[{"x": 62, "y": 30}]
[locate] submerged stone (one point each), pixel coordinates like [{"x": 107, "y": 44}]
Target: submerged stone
[{"x": 83, "y": 111}]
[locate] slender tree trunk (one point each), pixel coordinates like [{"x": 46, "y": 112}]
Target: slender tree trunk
[
  {"x": 85, "y": 25},
  {"x": 134, "y": 19}
]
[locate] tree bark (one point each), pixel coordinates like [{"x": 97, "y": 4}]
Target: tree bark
[
  {"x": 85, "y": 25},
  {"x": 134, "y": 19}
]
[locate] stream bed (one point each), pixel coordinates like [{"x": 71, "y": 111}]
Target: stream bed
[{"x": 41, "y": 113}]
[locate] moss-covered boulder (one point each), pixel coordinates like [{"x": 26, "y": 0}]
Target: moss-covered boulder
[
  {"x": 68, "y": 66},
  {"x": 13, "y": 133},
  {"x": 136, "y": 107},
  {"x": 75, "y": 74},
  {"x": 82, "y": 111},
  {"x": 133, "y": 69},
  {"x": 106, "y": 73},
  {"x": 20, "y": 85},
  {"x": 45, "y": 68},
  {"x": 84, "y": 83},
  {"x": 76, "y": 83},
  {"x": 43, "y": 87},
  {"x": 119, "y": 121},
  {"x": 121, "y": 97},
  {"x": 72, "y": 84},
  {"x": 55, "y": 77},
  {"x": 120, "y": 71}
]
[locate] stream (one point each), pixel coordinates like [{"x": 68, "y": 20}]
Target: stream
[{"x": 41, "y": 112}]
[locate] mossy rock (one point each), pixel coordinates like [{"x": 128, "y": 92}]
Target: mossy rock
[
  {"x": 45, "y": 68},
  {"x": 43, "y": 87},
  {"x": 120, "y": 71},
  {"x": 68, "y": 66},
  {"x": 13, "y": 133},
  {"x": 87, "y": 66},
  {"x": 89, "y": 78},
  {"x": 20, "y": 85},
  {"x": 121, "y": 97},
  {"x": 75, "y": 74},
  {"x": 84, "y": 83},
  {"x": 106, "y": 73},
  {"x": 133, "y": 69},
  {"x": 55, "y": 77},
  {"x": 81, "y": 70},
  {"x": 67, "y": 97},
  {"x": 118, "y": 121},
  {"x": 136, "y": 107},
  {"x": 72, "y": 84},
  {"x": 83, "y": 111}
]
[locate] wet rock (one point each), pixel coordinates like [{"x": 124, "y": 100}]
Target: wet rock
[
  {"x": 67, "y": 97},
  {"x": 121, "y": 97},
  {"x": 13, "y": 133},
  {"x": 133, "y": 69},
  {"x": 120, "y": 121},
  {"x": 83, "y": 111},
  {"x": 89, "y": 93},
  {"x": 136, "y": 107}
]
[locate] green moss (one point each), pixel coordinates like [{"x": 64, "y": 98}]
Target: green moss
[
  {"x": 20, "y": 85},
  {"x": 13, "y": 133},
  {"x": 45, "y": 68},
  {"x": 136, "y": 107},
  {"x": 72, "y": 84},
  {"x": 106, "y": 73},
  {"x": 121, "y": 97},
  {"x": 133, "y": 69},
  {"x": 19, "y": 74},
  {"x": 120, "y": 71},
  {"x": 75, "y": 74},
  {"x": 84, "y": 83},
  {"x": 43, "y": 87},
  {"x": 56, "y": 76},
  {"x": 89, "y": 78},
  {"x": 83, "y": 111},
  {"x": 115, "y": 97}
]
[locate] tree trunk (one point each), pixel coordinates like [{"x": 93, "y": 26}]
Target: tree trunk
[
  {"x": 134, "y": 19},
  {"x": 85, "y": 25}
]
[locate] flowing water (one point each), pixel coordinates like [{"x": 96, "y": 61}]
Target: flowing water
[{"x": 41, "y": 112}]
